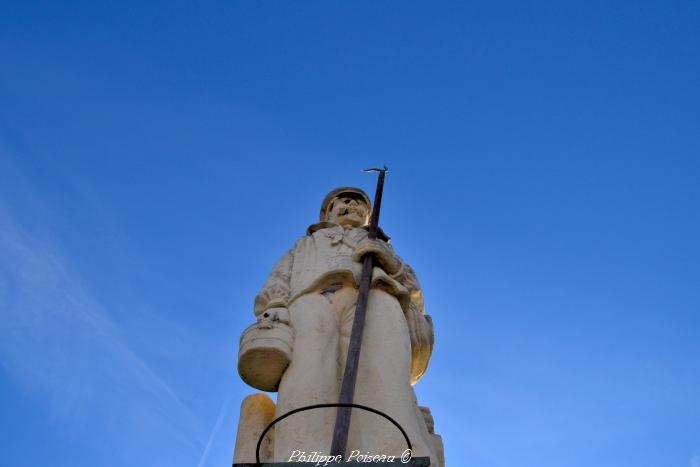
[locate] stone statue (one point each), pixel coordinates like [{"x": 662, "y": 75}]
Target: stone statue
[{"x": 298, "y": 345}]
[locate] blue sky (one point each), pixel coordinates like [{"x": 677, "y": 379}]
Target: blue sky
[{"x": 156, "y": 159}]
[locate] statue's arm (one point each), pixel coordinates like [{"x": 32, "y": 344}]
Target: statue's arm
[
  {"x": 265, "y": 347},
  {"x": 420, "y": 325},
  {"x": 275, "y": 293}
]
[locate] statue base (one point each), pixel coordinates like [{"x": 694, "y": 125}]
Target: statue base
[{"x": 414, "y": 462}]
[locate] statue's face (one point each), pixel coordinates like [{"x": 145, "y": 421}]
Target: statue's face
[{"x": 348, "y": 210}]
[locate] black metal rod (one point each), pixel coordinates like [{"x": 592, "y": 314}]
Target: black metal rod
[{"x": 347, "y": 389}]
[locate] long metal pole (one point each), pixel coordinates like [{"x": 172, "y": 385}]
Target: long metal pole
[{"x": 347, "y": 389}]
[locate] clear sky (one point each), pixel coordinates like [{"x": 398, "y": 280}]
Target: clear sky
[{"x": 156, "y": 158}]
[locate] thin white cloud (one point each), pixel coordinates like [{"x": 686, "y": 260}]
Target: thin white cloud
[
  {"x": 214, "y": 432},
  {"x": 695, "y": 460},
  {"x": 61, "y": 345}
]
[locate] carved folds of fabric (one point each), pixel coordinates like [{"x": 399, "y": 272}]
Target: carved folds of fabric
[
  {"x": 420, "y": 328},
  {"x": 420, "y": 325},
  {"x": 275, "y": 292}
]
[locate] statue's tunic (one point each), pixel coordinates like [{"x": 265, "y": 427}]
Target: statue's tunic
[
  {"x": 322, "y": 257},
  {"x": 316, "y": 281}
]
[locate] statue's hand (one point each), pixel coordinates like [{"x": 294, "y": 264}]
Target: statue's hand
[
  {"x": 267, "y": 319},
  {"x": 381, "y": 251}
]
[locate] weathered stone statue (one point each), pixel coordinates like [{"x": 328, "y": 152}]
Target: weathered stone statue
[{"x": 298, "y": 345}]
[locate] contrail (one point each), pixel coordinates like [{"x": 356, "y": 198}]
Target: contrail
[{"x": 214, "y": 431}]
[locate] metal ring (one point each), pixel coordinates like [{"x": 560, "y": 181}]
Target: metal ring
[{"x": 321, "y": 406}]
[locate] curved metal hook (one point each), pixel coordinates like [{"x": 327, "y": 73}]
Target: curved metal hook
[{"x": 375, "y": 169}]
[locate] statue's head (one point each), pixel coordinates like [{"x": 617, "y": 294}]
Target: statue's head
[{"x": 346, "y": 206}]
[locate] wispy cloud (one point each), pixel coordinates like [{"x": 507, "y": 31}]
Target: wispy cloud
[
  {"x": 61, "y": 345},
  {"x": 214, "y": 432},
  {"x": 695, "y": 460}
]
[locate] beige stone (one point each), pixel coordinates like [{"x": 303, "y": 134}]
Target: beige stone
[
  {"x": 437, "y": 439},
  {"x": 313, "y": 292},
  {"x": 266, "y": 350},
  {"x": 257, "y": 411}
]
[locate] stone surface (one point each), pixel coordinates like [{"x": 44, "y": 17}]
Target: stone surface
[
  {"x": 437, "y": 439},
  {"x": 313, "y": 288},
  {"x": 266, "y": 350},
  {"x": 415, "y": 462},
  {"x": 257, "y": 411}
]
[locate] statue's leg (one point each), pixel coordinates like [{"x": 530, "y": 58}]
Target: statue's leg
[
  {"x": 311, "y": 378},
  {"x": 383, "y": 382}
]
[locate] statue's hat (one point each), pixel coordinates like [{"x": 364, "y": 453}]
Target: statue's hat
[{"x": 355, "y": 192}]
